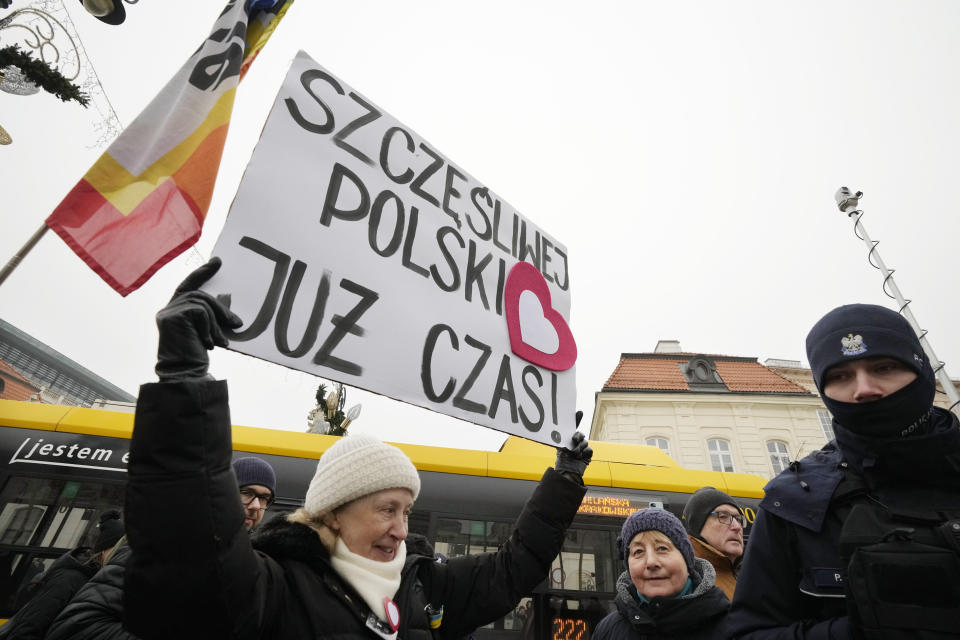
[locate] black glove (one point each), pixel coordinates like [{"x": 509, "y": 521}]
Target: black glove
[
  {"x": 574, "y": 461},
  {"x": 190, "y": 325}
]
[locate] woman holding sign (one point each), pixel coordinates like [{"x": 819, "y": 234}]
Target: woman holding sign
[{"x": 338, "y": 567}]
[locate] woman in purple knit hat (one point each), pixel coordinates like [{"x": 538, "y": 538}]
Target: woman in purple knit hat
[{"x": 665, "y": 591}]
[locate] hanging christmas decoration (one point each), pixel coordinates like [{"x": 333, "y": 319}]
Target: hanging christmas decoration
[
  {"x": 13, "y": 81},
  {"x": 41, "y": 74},
  {"x": 327, "y": 417}
]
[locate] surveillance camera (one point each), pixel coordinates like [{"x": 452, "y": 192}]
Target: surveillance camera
[{"x": 847, "y": 201}]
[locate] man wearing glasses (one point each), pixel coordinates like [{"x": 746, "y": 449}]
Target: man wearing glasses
[
  {"x": 715, "y": 524},
  {"x": 257, "y": 483}
]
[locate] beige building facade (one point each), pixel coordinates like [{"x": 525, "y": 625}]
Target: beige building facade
[{"x": 714, "y": 412}]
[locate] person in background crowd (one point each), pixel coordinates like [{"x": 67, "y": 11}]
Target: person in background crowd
[
  {"x": 666, "y": 591},
  {"x": 258, "y": 487},
  {"x": 338, "y": 567},
  {"x": 858, "y": 539},
  {"x": 715, "y": 524},
  {"x": 64, "y": 577},
  {"x": 96, "y": 611}
]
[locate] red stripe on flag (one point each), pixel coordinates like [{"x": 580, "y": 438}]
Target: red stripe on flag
[{"x": 127, "y": 250}]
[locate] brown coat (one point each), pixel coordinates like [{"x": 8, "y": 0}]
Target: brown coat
[{"x": 726, "y": 569}]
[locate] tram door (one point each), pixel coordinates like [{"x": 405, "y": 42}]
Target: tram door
[
  {"x": 578, "y": 591},
  {"x": 576, "y": 595},
  {"x": 581, "y": 585}
]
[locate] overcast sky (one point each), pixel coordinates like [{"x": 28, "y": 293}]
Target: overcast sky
[{"x": 687, "y": 154}]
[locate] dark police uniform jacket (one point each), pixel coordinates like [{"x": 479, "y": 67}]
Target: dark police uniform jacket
[
  {"x": 792, "y": 581},
  {"x": 195, "y": 573}
]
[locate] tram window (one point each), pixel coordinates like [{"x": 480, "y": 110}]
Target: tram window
[
  {"x": 521, "y": 617},
  {"x": 14, "y": 591},
  {"x": 55, "y": 513},
  {"x": 19, "y": 523},
  {"x": 419, "y": 522},
  {"x": 52, "y": 512},
  {"x": 460, "y": 537},
  {"x": 586, "y": 562},
  {"x": 518, "y": 623}
]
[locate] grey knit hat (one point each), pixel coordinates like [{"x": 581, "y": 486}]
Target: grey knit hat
[
  {"x": 654, "y": 519},
  {"x": 252, "y": 470},
  {"x": 701, "y": 504},
  {"x": 357, "y": 466}
]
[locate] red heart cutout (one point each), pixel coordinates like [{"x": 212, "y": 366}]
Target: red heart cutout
[{"x": 525, "y": 277}]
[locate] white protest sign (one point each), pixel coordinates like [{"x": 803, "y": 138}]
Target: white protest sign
[{"x": 355, "y": 251}]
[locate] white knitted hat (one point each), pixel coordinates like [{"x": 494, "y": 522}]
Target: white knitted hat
[{"x": 357, "y": 466}]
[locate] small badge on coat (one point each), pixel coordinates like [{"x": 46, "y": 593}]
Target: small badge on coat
[
  {"x": 393, "y": 613},
  {"x": 826, "y": 578},
  {"x": 435, "y": 616}
]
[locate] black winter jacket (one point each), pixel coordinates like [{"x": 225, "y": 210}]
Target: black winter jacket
[
  {"x": 96, "y": 610},
  {"x": 53, "y": 592},
  {"x": 791, "y": 583},
  {"x": 697, "y": 616},
  {"x": 206, "y": 570}
]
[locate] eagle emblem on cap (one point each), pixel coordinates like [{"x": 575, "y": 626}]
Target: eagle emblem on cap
[{"x": 852, "y": 345}]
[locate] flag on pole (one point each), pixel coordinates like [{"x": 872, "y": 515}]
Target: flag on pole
[{"x": 144, "y": 201}]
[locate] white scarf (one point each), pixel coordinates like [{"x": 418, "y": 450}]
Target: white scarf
[{"x": 372, "y": 579}]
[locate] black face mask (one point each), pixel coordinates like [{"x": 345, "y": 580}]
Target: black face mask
[{"x": 903, "y": 413}]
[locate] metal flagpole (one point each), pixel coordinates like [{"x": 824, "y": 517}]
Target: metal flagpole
[
  {"x": 848, "y": 202},
  {"x": 24, "y": 250}
]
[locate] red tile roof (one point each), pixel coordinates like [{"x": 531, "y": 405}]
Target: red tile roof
[
  {"x": 15, "y": 387},
  {"x": 661, "y": 372},
  {"x": 753, "y": 376},
  {"x": 633, "y": 373}
]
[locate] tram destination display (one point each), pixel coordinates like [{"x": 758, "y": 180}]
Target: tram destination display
[{"x": 356, "y": 251}]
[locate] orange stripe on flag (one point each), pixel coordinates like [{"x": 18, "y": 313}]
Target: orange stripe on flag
[
  {"x": 126, "y": 191},
  {"x": 194, "y": 177}
]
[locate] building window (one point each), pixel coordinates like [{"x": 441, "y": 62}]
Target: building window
[
  {"x": 661, "y": 443},
  {"x": 779, "y": 456},
  {"x": 826, "y": 423},
  {"x": 720, "y": 456}
]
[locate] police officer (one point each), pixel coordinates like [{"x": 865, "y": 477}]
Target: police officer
[{"x": 862, "y": 538}]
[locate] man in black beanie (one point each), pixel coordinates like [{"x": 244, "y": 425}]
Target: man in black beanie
[
  {"x": 862, "y": 538},
  {"x": 715, "y": 524},
  {"x": 257, "y": 483}
]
